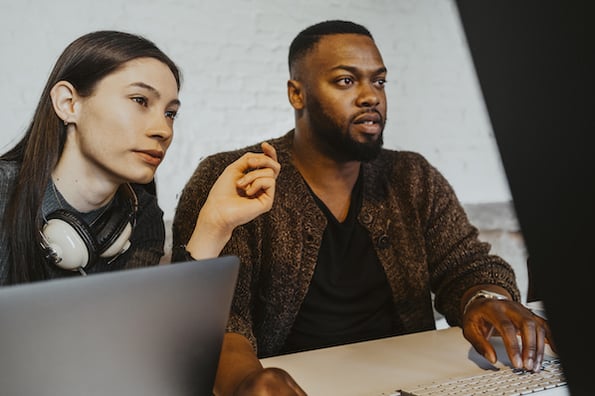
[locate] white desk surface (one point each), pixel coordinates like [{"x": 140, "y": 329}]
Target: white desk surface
[{"x": 378, "y": 367}]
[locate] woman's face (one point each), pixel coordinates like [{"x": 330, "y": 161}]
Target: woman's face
[{"x": 124, "y": 128}]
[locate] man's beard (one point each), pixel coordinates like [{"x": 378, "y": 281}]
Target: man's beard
[{"x": 337, "y": 143}]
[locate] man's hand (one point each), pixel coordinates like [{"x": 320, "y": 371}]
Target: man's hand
[
  {"x": 269, "y": 381},
  {"x": 245, "y": 190},
  {"x": 524, "y": 334},
  {"x": 240, "y": 372}
]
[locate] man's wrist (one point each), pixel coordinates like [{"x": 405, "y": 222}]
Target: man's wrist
[{"x": 484, "y": 294}]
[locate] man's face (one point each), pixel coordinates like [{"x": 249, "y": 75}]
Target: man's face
[{"x": 344, "y": 78}]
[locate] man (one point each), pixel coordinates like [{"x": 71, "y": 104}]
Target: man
[{"x": 358, "y": 236}]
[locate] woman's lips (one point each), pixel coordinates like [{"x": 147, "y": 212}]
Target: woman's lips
[{"x": 152, "y": 157}]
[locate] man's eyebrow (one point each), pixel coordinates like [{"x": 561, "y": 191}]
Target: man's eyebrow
[
  {"x": 155, "y": 92},
  {"x": 356, "y": 70}
]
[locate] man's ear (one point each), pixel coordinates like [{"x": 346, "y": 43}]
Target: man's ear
[
  {"x": 295, "y": 94},
  {"x": 63, "y": 96}
]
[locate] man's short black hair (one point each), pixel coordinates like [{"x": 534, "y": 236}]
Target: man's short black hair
[{"x": 308, "y": 37}]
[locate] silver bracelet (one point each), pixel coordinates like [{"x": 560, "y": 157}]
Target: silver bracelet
[{"x": 484, "y": 294}]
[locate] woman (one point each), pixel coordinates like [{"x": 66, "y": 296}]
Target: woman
[{"x": 73, "y": 196}]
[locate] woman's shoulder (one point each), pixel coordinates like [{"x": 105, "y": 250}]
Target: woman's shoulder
[
  {"x": 9, "y": 168},
  {"x": 146, "y": 197},
  {"x": 8, "y": 173}
]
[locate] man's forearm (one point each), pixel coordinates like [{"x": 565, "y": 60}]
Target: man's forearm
[{"x": 237, "y": 361}]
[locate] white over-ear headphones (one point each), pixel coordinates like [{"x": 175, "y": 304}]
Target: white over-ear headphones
[{"x": 71, "y": 244}]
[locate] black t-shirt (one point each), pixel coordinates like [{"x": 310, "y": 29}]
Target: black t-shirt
[{"x": 349, "y": 299}]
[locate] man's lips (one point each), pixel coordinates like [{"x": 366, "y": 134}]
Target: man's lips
[
  {"x": 372, "y": 121},
  {"x": 153, "y": 157}
]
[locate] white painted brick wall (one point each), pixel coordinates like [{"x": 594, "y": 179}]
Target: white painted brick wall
[{"x": 233, "y": 55}]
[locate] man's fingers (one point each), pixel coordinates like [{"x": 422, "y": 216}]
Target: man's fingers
[
  {"x": 260, "y": 185},
  {"x": 269, "y": 150},
  {"x": 252, "y": 176}
]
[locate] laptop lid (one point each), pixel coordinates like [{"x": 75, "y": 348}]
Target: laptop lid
[
  {"x": 535, "y": 62},
  {"x": 149, "y": 331}
]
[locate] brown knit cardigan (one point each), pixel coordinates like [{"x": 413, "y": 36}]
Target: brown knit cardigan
[{"x": 419, "y": 229}]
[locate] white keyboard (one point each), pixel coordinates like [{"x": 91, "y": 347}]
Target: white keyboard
[{"x": 504, "y": 382}]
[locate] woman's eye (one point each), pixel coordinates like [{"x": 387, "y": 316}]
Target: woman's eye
[
  {"x": 140, "y": 100},
  {"x": 171, "y": 114}
]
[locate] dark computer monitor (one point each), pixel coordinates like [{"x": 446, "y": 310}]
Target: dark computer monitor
[{"x": 535, "y": 63}]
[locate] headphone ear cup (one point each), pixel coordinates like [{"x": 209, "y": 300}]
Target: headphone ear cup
[
  {"x": 120, "y": 244},
  {"x": 113, "y": 228},
  {"x": 69, "y": 240}
]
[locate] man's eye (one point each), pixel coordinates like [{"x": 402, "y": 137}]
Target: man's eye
[
  {"x": 140, "y": 100},
  {"x": 381, "y": 82},
  {"x": 345, "y": 81}
]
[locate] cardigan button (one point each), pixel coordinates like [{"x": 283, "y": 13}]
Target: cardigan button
[{"x": 383, "y": 241}]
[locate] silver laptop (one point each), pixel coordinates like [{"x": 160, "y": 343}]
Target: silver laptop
[{"x": 150, "y": 331}]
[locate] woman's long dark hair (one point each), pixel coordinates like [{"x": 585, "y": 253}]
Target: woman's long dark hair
[{"x": 83, "y": 63}]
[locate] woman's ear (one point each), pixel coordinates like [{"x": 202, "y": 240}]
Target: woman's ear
[
  {"x": 63, "y": 96},
  {"x": 295, "y": 94}
]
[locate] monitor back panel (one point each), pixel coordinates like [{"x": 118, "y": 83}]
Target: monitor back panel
[{"x": 535, "y": 62}]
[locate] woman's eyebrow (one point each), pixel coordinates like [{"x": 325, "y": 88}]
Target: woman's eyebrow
[
  {"x": 141, "y": 84},
  {"x": 154, "y": 90}
]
